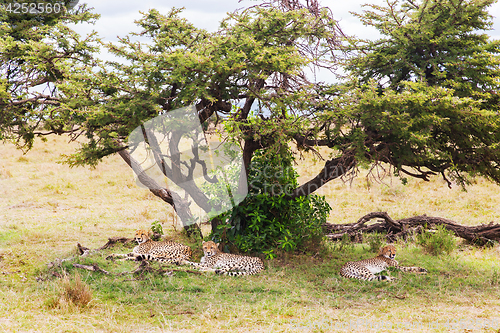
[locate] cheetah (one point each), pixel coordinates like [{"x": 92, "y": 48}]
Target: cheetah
[
  {"x": 148, "y": 249},
  {"x": 226, "y": 263},
  {"x": 366, "y": 269}
]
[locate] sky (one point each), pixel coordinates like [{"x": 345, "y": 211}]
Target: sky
[{"x": 118, "y": 16}]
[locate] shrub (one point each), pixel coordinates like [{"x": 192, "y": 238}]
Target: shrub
[
  {"x": 264, "y": 223},
  {"x": 267, "y": 218},
  {"x": 438, "y": 242},
  {"x": 76, "y": 291},
  {"x": 157, "y": 230}
]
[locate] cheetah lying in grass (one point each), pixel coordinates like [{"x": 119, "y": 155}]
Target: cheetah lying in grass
[
  {"x": 226, "y": 263},
  {"x": 148, "y": 249},
  {"x": 366, "y": 269}
]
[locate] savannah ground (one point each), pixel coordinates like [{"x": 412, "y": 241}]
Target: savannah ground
[{"x": 46, "y": 208}]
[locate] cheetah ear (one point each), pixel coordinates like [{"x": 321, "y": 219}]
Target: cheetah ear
[
  {"x": 217, "y": 244},
  {"x": 203, "y": 242},
  {"x": 150, "y": 232}
]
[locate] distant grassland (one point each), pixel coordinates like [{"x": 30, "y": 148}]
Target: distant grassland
[{"x": 46, "y": 208}]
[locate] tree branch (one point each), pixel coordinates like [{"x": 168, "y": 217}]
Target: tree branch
[{"x": 333, "y": 169}]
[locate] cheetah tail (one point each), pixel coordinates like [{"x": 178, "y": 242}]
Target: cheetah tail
[{"x": 236, "y": 273}]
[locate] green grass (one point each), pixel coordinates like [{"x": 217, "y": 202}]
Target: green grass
[
  {"x": 297, "y": 291},
  {"x": 46, "y": 208}
]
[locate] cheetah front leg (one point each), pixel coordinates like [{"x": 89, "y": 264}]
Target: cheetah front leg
[{"x": 200, "y": 266}]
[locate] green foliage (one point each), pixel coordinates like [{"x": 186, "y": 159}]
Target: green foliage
[
  {"x": 156, "y": 227},
  {"x": 345, "y": 244},
  {"x": 184, "y": 65},
  {"x": 423, "y": 96},
  {"x": 439, "y": 41},
  {"x": 375, "y": 241},
  {"x": 420, "y": 126},
  {"x": 40, "y": 51},
  {"x": 268, "y": 219},
  {"x": 438, "y": 242}
]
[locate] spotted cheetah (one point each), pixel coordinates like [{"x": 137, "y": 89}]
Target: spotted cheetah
[
  {"x": 148, "y": 249},
  {"x": 226, "y": 263},
  {"x": 366, "y": 269}
]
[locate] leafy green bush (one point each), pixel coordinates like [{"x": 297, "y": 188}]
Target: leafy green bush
[
  {"x": 438, "y": 242},
  {"x": 267, "y": 219},
  {"x": 156, "y": 227}
]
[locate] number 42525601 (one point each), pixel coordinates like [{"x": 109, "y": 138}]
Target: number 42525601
[{"x": 33, "y": 8}]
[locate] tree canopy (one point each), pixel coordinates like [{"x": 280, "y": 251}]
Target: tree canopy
[
  {"x": 38, "y": 53},
  {"x": 432, "y": 82}
]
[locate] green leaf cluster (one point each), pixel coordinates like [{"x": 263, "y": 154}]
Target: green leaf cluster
[
  {"x": 38, "y": 52},
  {"x": 267, "y": 219},
  {"x": 183, "y": 65},
  {"x": 436, "y": 41},
  {"x": 423, "y": 97}
]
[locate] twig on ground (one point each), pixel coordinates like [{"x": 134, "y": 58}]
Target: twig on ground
[{"x": 93, "y": 268}]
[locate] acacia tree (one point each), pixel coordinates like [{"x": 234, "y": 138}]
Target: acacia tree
[
  {"x": 412, "y": 103},
  {"x": 257, "y": 57}
]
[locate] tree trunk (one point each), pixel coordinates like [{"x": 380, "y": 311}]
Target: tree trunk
[
  {"x": 180, "y": 205},
  {"x": 480, "y": 234}
]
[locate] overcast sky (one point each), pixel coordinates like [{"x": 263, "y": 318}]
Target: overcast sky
[{"x": 118, "y": 16}]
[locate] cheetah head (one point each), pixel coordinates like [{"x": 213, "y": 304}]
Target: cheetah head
[
  {"x": 141, "y": 236},
  {"x": 388, "y": 251},
  {"x": 210, "y": 248}
]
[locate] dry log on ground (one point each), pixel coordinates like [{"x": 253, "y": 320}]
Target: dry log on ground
[{"x": 480, "y": 234}]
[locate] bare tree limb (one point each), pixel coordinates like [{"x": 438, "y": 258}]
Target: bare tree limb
[{"x": 333, "y": 169}]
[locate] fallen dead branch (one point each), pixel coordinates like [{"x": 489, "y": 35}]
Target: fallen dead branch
[
  {"x": 480, "y": 234},
  {"x": 93, "y": 268},
  {"x": 83, "y": 251},
  {"x": 116, "y": 240},
  {"x": 142, "y": 268}
]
